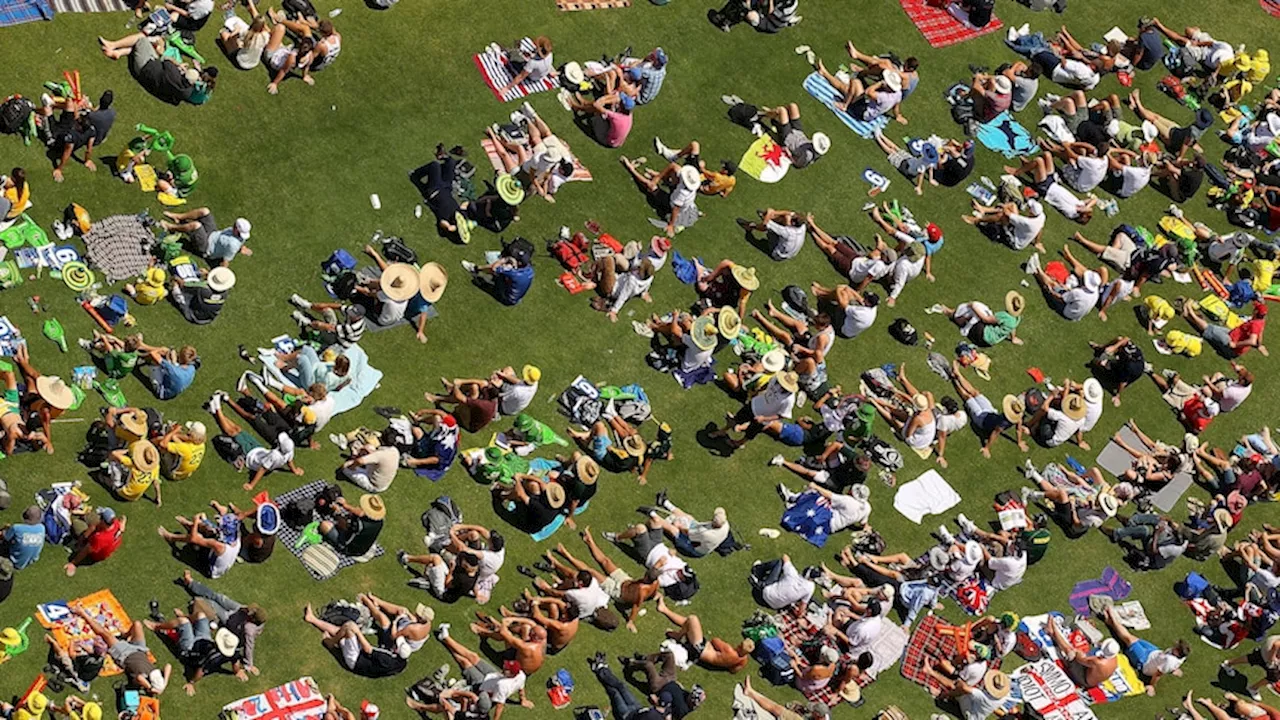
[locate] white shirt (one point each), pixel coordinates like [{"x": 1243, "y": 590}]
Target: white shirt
[
  {"x": 1132, "y": 179},
  {"x": 848, "y": 511},
  {"x": 682, "y": 196},
  {"x": 629, "y": 285},
  {"x": 773, "y": 400},
  {"x": 1077, "y": 302},
  {"x": 200, "y": 9},
  {"x": 787, "y": 239},
  {"x": 1233, "y": 395},
  {"x": 1008, "y": 571},
  {"x": 862, "y": 633},
  {"x": 670, "y": 573},
  {"x": 490, "y": 562},
  {"x": 1063, "y": 201},
  {"x": 1026, "y": 228},
  {"x": 856, "y": 319},
  {"x": 694, "y": 356},
  {"x": 1161, "y": 662},
  {"x": 951, "y": 422},
  {"x": 790, "y": 589},
  {"x": 1064, "y": 428},
  {"x": 904, "y": 270},
  {"x": 515, "y": 397},
  {"x": 1074, "y": 73},
  {"x": 261, "y": 458},
  {"x": 1086, "y": 173},
  {"x": 867, "y": 267},
  {"x": 588, "y": 599},
  {"x": 500, "y": 687},
  {"x": 391, "y": 311},
  {"x": 324, "y": 410},
  {"x": 539, "y": 68},
  {"x": 705, "y": 537}
]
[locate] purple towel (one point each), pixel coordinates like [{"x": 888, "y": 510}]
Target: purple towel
[{"x": 1109, "y": 584}]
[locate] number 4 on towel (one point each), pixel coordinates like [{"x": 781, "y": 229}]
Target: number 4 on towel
[{"x": 879, "y": 183}]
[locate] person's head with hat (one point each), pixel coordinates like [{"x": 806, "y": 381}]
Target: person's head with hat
[
  {"x": 398, "y": 283},
  {"x": 728, "y": 324},
  {"x": 130, "y": 424},
  {"x": 53, "y": 395},
  {"x": 1073, "y": 406},
  {"x": 788, "y": 381},
  {"x": 745, "y": 277},
  {"x": 221, "y": 279},
  {"x": 432, "y": 280},
  {"x": 586, "y": 470},
  {"x": 1014, "y": 303},
  {"x": 369, "y": 711},
  {"x": 704, "y": 333},
  {"x": 996, "y": 684},
  {"x": 373, "y": 507},
  {"x": 226, "y": 641},
  {"x": 510, "y": 189}
]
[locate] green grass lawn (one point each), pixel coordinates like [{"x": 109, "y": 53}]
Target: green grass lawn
[{"x": 301, "y": 166}]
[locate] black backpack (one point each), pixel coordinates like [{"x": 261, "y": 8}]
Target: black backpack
[
  {"x": 684, "y": 588},
  {"x": 394, "y": 249},
  {"x": 730, "y": 545},
  {"x": 796, "y": 298},
  {"x": 519, "y": 249},
  {"x": 903, "y": 332},
  {"x": 14, "y": 113}
]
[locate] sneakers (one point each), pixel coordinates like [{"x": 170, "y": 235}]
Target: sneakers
[
  {"x": 1012, "y": 35},
  {"x": 339, "y": 440},
  {"x": 300, "y": 318},
  {"x": 1045, "y": 105},
  {"x": 776, "y": 460},
  {"x": 242, "y": 383},
  {"x": 945, "y": 535},
  {"x": 966, "y": 524},
  {"x": 85, "y": 343},
  {"x": 1227, "y": 669},
  {"x": 442, "y": 632},
  {"x": 1026, "y": 493},
  {"x": 214, "y": 404},
  {"x": 1033, "y": 264},
  {"x": 935, "y": 309},
  {"x": 1024, "y": 29},
  {"x": 469, "y": 266},
  {"x": 757, "y": 130},
  {"x": 564, "y": 96},
  {"x": 528, "y": 111},
  {"x": 661, "y": 499},
  {"x": 402, "y": 557},
  {"x": 731, "y": 100},
  {"x": 661, "y": 148},
  {"x": 299, "y": 302},
  {"x": 610, "y": 536},
  {"x": 420, "y": 584},
  {"x": 1027, "y": 467},
  {"x": 440, "y": 675}
]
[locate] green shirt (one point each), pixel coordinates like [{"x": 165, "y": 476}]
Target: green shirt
[
  {"x": 119, "y": 363},
  {"x": 200, "y": 95},
  {"x": 1002, "y": 330}
]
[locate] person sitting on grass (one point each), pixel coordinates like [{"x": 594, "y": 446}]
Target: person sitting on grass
[
  {"x": 495, "y": 688},
  {"x": 200, "y": 651},
  {"x": 130, "y": 655},
  {"x": 1178, "y": 139},
  {"x": 544, "y": 165},
  {"x": 1007, "y": 224},
  {"x": 531, "y": 67},
  {"x": 252, "y": 455},
  {"x": 116, "y": 356},
  {"x": 1078, "y": 296},
  {"x": 243, "y": 42},
  {"x": 1160, "y": 541},
  {"x": 860, "y": 265},
  {"x": 984, "y": 328},
  {"x": 356, "y": 652},
  {"x": 1235, "y": 342},
  {"x": 218, "y": 246},
  {"x": 447, "y": 582},
  {"x": 622, "y": 701},
  {"x": 525, "y": 640},
  {"x": 1039, "y": 175},
  {"x": 98, "y": 542},
  {"x": 354, "y": 529},
  {"x": 915, "y": 167},
  {"x": 609, "y": 118},
  {"x": 665, "y": 692},
  {"x": 132, "y": 471},
  {"x": 680, "y": 203},
  {"x": 675, "y": 578},
  {"x": 507, "y": 279},
  {"x": 784, "y": 231},
  {"x": 170, "y": 371},
  {"x": 219, "y": 542},
  {"x": 691, "y": 537},
  {"x": 435, "y": 181},
  {"x": 714, "y": 182},
  {"x": 988, "y": 422}
]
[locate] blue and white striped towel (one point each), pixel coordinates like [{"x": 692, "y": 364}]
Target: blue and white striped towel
[{"x": 822, "y": 91}]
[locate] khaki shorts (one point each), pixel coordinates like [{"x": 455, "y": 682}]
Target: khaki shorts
[
  {"x": 612, "y": 585},
  {"x": 1119, "y": 256}
]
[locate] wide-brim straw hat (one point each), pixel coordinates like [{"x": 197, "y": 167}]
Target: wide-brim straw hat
[
  {"x": 55, "y": 392},
  {"x": 509, "y": 189},
  {"x": 746, "y": 277},
  {"x": 555, "y": 495},
  {"x": 789, "y": 381},
  {"x": 134, "y": 422},
  {"x": 373, "y": 507},
  {"x": 774, "y": 360},
  {"x": 432, "y": 280},
  {"x": 633, "y": 445},
  {"x": 399, "y": 282},
  {"x": 1013, "y": 408},
  {"x": 221, "y": 279},
  {"x": 1014, "y": 303},
  {"x": 704, "y": 332},
  {"x": 996, "y": 684},
  {"x": 728, "y": 323},
  {"x": 587, "y": 470},
  {"x": 1073, "y": 406},
  {"x": 144, "y": 456}
]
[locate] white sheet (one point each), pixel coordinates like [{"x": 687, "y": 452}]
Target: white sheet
[{"x": 928, "y": 494}]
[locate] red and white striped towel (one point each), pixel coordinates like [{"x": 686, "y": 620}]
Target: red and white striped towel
[{"x": 497, "y": 73}]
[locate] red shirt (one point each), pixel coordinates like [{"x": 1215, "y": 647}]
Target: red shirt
[
  {"x": 104, "y": 541},
  {"x": 1245, "y": 331}
]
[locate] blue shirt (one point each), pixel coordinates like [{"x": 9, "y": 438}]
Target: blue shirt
[
  {"x": 173, "y": 379},
  {"x": 25, "y": 543},
  {"x": 513, "y": 283},
  {"x": 223, "y": 245},
  {"x": 651, "y": 80}
]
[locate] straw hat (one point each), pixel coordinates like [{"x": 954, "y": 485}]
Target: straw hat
[
  {"x": 728, "y": 323},
  {"x": 746, "y": 277},
  {"x": 37, "y": 702},
  {"x": 996, "y": 684},
  {"x": 1014, "y": 303},
  {"x": 1073, "y": 407},
  {"x": 1012, "y": 408},
  {"x": 55, "y": 392},
  {"x": 894, "y": 80},
  {"x": 221, "y": 279},
  {"x": 1092, "y": 391},
  {"x": 554, "y": 151},
  {"x": 373, "y": 507},
  {"x": 704, "y": 332},
  {"x": 821, "y": 143},
  {"x": 774, "y": 360},
  {"x": 1223, "y": 519},
  {"x": 226, "y": 641},
  {"x": 634, "y": 445},
  {"x": 432, "y": 280},
  {"x": 554, "y": 493},
  {"x": 788, "y": 381},
  {"x": 134, "y": 422},
  {"x": 587, "y": 470},
  {"x": 509, "y": 189},
  {"x": 690, "y": 178},
  {"x": 1108, "y": 503},
  {"x": 399, "y": 282},
  {"x": 920, "y": 401},
  {"x": 851, "y": 693},
  {"x": 144, "y": 456},
  {"x": 573, "y": 73}
]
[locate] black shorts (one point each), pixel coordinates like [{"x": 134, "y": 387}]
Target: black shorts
[
  {"x": 600, "y": 129},
  {"x": 200, "y": 236},
  {"x": 1257, "y": 660},
  {"x": 784, "y": 129}
]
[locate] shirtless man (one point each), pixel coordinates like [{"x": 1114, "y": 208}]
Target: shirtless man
[
  {"x": 1085, "y": 670},
  {"x": 615, "y": 581},
  {"x": 525, "y": 639},
  {"x": 555, "y": 616},
  {"x": 712, "y": 652}
]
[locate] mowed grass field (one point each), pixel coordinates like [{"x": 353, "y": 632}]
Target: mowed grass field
[{"x": 301, "y": 166}]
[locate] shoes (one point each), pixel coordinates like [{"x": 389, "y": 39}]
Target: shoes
[
  {"x": 935, "y": 309},
  {"x": 966, "y": 524},
  {"x": 440, "y": 675},
  {"x": 1026, "y": 493},
  {"x": 757, "y": 130},
  {"x": 442, "y": 632},
  {"x": 945, "y": 535},
  {"x": 662, "y": 149},
  {"x": 339, "y": 440},
  {"x": 300, "y": 318},
  {"x": 609, "y": 536},
  {"x": 85, "y": 343},
  {"x": 1012, "y": 35},
  {"x": 402, "y": 557},
  {"x": 661, "y": 499},
  {"x": 776, "y": 461},
  {"x": 528, "y": 111},
  {"x": 731, "y": 100},
  {"x": 1033, "y": 264},
  {"x": 299, "y": 302},
  {"x": 214, "y": 404},
  {"x": 419, "y": 583},
  {"x": 469, "y": 266},
  {"x": 564, "y": 96}
]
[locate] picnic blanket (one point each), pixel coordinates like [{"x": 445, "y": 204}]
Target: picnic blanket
[
  {"x": 1006, "y": 136},
  {"x": 1049, "y": 693},
  {"x": 1110, "y": 584},
  {"x": 89, "y": 6},
  {"x": 299, "y": 699},
  {"x": 928, "y": 494},
  {"x": 497, "y": 73},
  {"x": 886, "y": 650},
  {"x": 821, "y": 90},
  {"x": 765, "y": 160},
  {"x": 933, "y": 640},
  {"x": 364, "y": 378},
  {"x": 119, "y": 246},
  {"x": 580, "y": 171},
  {"x": 16, "y": 12},
  {"x": 810, "y": 517},
  {"x": 1124, "y": 682},
  {"x": 68, "y": 629},
  {"x": 289, "y": 535},
  {"x": 576, "y": 5},
  {"x": 1271, "y": 6},
  {"x": 1115, "y": 460},
  {"x": 940, "y": 27},
  {"x": 972, "y": 595}
]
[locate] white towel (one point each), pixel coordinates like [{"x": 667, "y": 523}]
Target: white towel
[{"x": 928, "y": 494}]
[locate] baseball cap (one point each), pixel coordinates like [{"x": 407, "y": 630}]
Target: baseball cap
[
  {"x": 627, "y": 102},
  {"x": 107, "y": 514},
  {"x": 369, "y": 711},
  {"x": 242, "y": 228}
]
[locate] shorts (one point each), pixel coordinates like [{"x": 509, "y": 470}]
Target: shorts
[
  {"x": 907, "y": 163},
  {"x": 190, "y": 632},
  {"x": 247, "y": 442},
  {"x": 1042, "y": 186},
  {"x": 600, "y": 445},
  {"x": 1257, "y": 659},
  {"x": 791, "y": 434},
  {"x": 1048, "y": 62},
  {"x": 142, "y": 53},
  {"x": 1121, "y": 256},
  {"x": 200, "y": 236},
  {"x": 786, "y": 129},
  {"x": 436, "y": 576},
  {"x": 978, "y": 407},
  {"x": 844, "y": 257},
  {"x": 612, "y": 585},
  {"x": 600, "y": 129},
  {"x": 477, "y": 673},
  {"x": 123, "y": 649},
  {"x": 1220, "y": 338},
  {"x": 644, "y": 544},
  {"x": 1138, "y": 653},
  {"x": 1178, "y": 394},
  {"x": 685, "y": 546},
  {"x": 350, "y": 648}
]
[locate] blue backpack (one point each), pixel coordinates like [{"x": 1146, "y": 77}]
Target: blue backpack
[
  {"x": 1192, "y": 586},
  {"x": 775, "y": 661}
]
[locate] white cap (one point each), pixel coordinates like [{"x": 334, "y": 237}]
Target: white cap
[
  {"x": 1110, "y": 648},
  {"x": 242, "y": 228},
  {"x": 893, "y": 80},
  {"x": 1003, "y": 85},
  {"x": 197, "y": 428}
]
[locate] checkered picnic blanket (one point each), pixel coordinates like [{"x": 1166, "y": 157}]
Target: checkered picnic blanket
[
  {"x": 930, "y": 641},
  {"x": 940, "y": 27},
  {"x": 119, "y": 246},
  {"x": 16, "y": 12},
  {"x": 497, "y": 73},
  {"x": 289, "y": 535},
  {"x": 795, "y": 632},
  {"x": 1271, "y": 6}
]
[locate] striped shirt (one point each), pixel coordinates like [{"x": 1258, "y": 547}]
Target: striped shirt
[{"x": 350, "y": 332}]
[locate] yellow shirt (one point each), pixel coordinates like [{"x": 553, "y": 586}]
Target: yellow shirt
[
  {"x": 148, "y": 294},
  {"x": 714, "y": 183},
  {"x": 138, "y": 481},
  {"x": 188, "y": 455},
  {"x": 19, "y": 202},
  {"x": 1159, "y": 308}
]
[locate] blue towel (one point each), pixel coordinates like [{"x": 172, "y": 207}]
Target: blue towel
[
  {"x": 810, "y": 517},
  {"x": 16, "y": 12},
  {"x": 685, "y": 269},
  {"x": 1007, "y": 136},
  {"x": 549, "y": 530},
  {"x": 822, "y": 91}
]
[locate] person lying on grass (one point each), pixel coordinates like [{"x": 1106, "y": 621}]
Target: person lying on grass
[{"x": 253, "y": 456}]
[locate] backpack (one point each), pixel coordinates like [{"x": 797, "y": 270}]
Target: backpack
[
  {"x": 298, "y": 513},
  {"x": 730, "y": 545},
  {"x": 438, "y": 520},
  {"x": 1037, "y": 543},
  {"x": 775, "y": 661},
  {"x": 883, "y": 454},
  {"x": 796, "y": 298},
  {"x": 296, "y": 8},
  {"x": 394, "y": 249},
  {"x": 903, "y": 332},
  {"x": 14, "y": 113},
  {"x": 519, "y": 249},
  {"x": 633, "y": 411},
  {"x": 100, "y": 440},
  {"x": 684, "y": 588},
  {"x": 337, "y": 263},
  {"x": 230, "y": 451}
]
